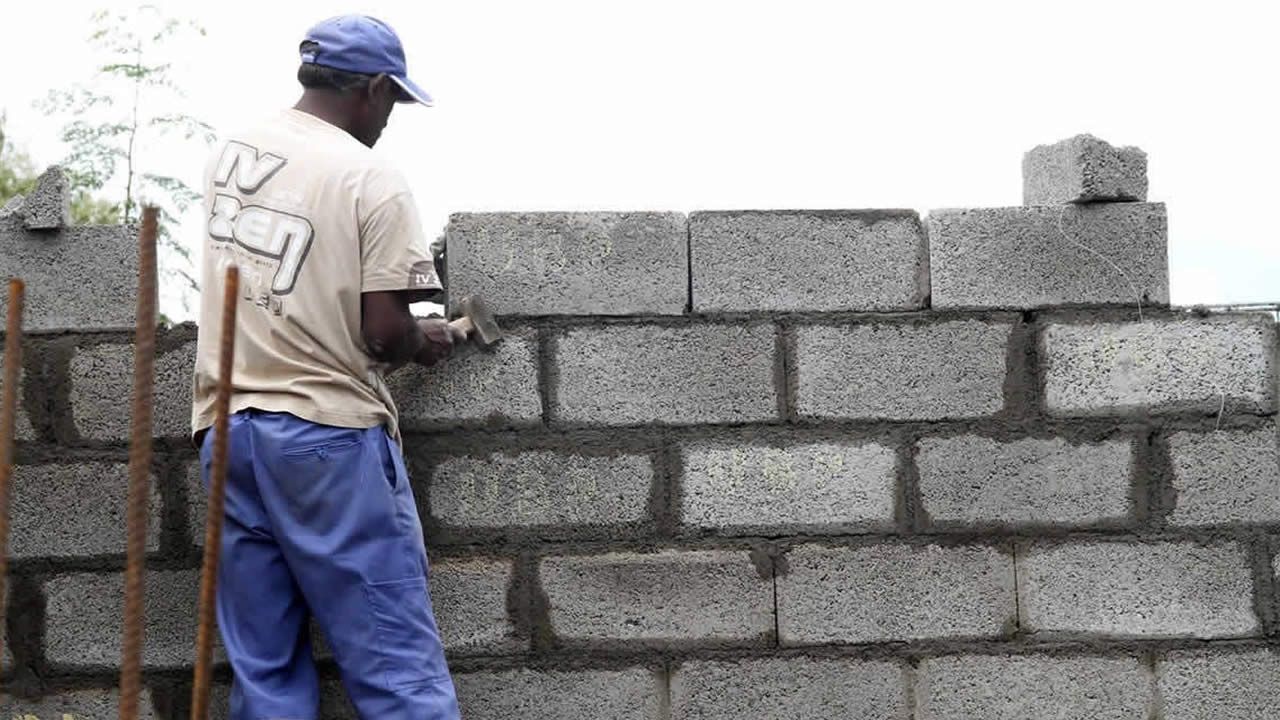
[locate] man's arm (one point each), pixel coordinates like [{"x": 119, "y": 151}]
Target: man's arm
[{"x": 394, "y": 336}]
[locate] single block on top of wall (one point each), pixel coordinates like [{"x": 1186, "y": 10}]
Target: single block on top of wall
[
  {"x": 567, "y": 263},
  {"x": 1083, "y": 169},
  {"x": 1063, "y": 255},
  {"x": 807, "y": 260}
]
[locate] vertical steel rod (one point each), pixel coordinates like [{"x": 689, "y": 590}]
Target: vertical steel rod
[
  {"x": 8, "y": 417},
  {"x": 140, "y": 440},
  {"x": 217, "y": 499}
]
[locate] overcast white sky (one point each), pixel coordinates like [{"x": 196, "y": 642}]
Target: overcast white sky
[{"x": 689, "y": 104}]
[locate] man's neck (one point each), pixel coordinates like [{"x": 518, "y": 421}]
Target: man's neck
[{"x": 324, "y": 108}]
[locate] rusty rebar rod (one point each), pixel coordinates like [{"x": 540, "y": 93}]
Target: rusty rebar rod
[
  {"x": 140, "y": 439},
  {"x": 217, "y": 500},
  {"x": 8, "y": 418}
]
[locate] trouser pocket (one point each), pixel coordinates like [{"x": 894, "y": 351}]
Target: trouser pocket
[{"x": 408, "y": 643}]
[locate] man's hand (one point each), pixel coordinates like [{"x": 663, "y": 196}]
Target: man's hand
[{"x": 441, "y": 339}]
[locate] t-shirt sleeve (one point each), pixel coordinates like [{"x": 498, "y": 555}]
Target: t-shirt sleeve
[{"x": 393, "y": 247}]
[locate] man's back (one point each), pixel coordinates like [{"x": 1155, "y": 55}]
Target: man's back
[{"x": 313, "y": 218}]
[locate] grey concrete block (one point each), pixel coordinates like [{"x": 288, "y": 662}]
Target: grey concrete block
[
  {"x": 22, "y": 429},
  {"x": 630, "y": 694},
  {"x": 1224, "y": 685},
  {"x": 102, "y": 392},
  {"x": 12, "y": 207},
  {"x": 78, "y": 278},
  {"x": 83, "y": 614},
  {"x": 74, "y": 705},
  {"x": 689, "y": 374},
  {"x": 1083, "y": 169},
  {"x": 1211, "y": 365},
  {"x": 1015, "y": 257},
  {"x": 1168, "y": 589},
  {"x": 75, "y": 510},
  {"x": 894, "y": 592},
  {"x": 799, "y": 688},
  {"x": 469, "y": 597},
  {"x": 48, "y": 206},
  {"x": 197, "y": 504},
  {"x": 497, "y": 387},
  {"x": 541, "y": 488},
  {"x": 570, "y": 263},
  {"x": 1228, "y": 476},
  {"x": 668, "y": 596},
  {"x": 738, "y": 489},
  {"x": 1003, "y": 687},
  {"x": 930, "y": 371},
  {"x": 972, "y": 479},
  {"x": 855, "y": 260}
]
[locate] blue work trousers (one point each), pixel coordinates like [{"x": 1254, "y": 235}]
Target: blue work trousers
[{"x": 321, "y": 522}]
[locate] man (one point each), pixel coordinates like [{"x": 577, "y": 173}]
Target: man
[{"x": 320, "y": 519}]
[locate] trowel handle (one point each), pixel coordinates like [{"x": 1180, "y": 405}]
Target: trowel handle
[{"x": 464, "y": 324}]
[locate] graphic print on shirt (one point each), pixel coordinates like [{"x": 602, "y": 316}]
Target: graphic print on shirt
[{"x": 277, "y": 241}]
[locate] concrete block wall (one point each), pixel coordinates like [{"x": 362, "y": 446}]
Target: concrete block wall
[{"x": 755, "y": 465}]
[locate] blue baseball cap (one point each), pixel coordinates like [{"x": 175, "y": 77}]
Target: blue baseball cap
[{"x": 364, "y": 45}]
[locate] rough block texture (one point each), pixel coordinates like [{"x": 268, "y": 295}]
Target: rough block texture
[
  {"x": 1002, "y": 687},
  {"x": 102, "y": 392},
  {"x": 1083, "y": 169},
  {"x": 1170, "y": 589},
  {"x": 91, "y": 501},
  {"x": 495, "y": 387},
  {"x": 83, "y": 619},
  {"x": 971, "y": 479},
  {"x": 708, "y": 596},
  {"x": 738, "y": 489},
  {"x": 1161, "y": 366},
  {"x": 22, "y": 429},
  {"x": 799, "y": 688},
  {"x": 570, "y": 263},
  {"x": 73, "y": 705},
  {"x": 902, "y": 372},
  {"x": 78, "y": 278},
  {"x": 875, "y": 260},
  {"x": 1219, "y": 686},
  {"x": 894, "y": 592},
  {"x": 540, "y": 487},
  {"x": 1015, "y": 257},
  {"x": 470, "y": 601},
  {"x": 630, "y": 694},
  {"x": 633, "y": 374},
  {"x": 48, "y": 207},
  {"x": 1229, "y": 476}
]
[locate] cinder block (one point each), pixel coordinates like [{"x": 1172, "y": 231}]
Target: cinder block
[
  {"x": 929, "y": 371},
  {"x": 541, "y": 488},
  {"x": 1003, "y": 687},
  {"x": 630, "y": 694},
  {"x": 853, "y": 260},
  {"x": 48, "y": 206},
  {"x": 73, "y": 705},
  {"x": 1159, "y": 366},
  {"x": 83, "y": 613},
  {"x": 197, "y": 504},
  {"x": 798, "y": 688},
  {"x": 1028, "y": 257},
  {"x": 75, "y": 510},
  {"x": 78, "y": 278},
  {"x": 570, "y": 263},
  {"x": 469, "y": 597},
  {"x": 1200, "y": 685},
  {"x": 497, "y": 387},
  {"x": 1083, "y": 169},
  {"x": 894, "y": 592},
  {"x": 1167, "y": 589},
  {"x": 714, "y": 597},
  {"x": 102, "y": 392},
  {"x": 671, "y": 375},
  {"x": 739, "y": 489},
  {"x": 972, "y": 479},
  {"x": 22, "y": 429},
  {"x": 1228, "y": 476}
]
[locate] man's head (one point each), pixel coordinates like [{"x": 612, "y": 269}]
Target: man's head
[{"x": 353, "y": 70}]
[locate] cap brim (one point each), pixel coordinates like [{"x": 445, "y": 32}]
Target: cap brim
[{"x": 411, "y": 89}]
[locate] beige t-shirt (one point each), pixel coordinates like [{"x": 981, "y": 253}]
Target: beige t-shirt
[{"x": 313, "y": 218}]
